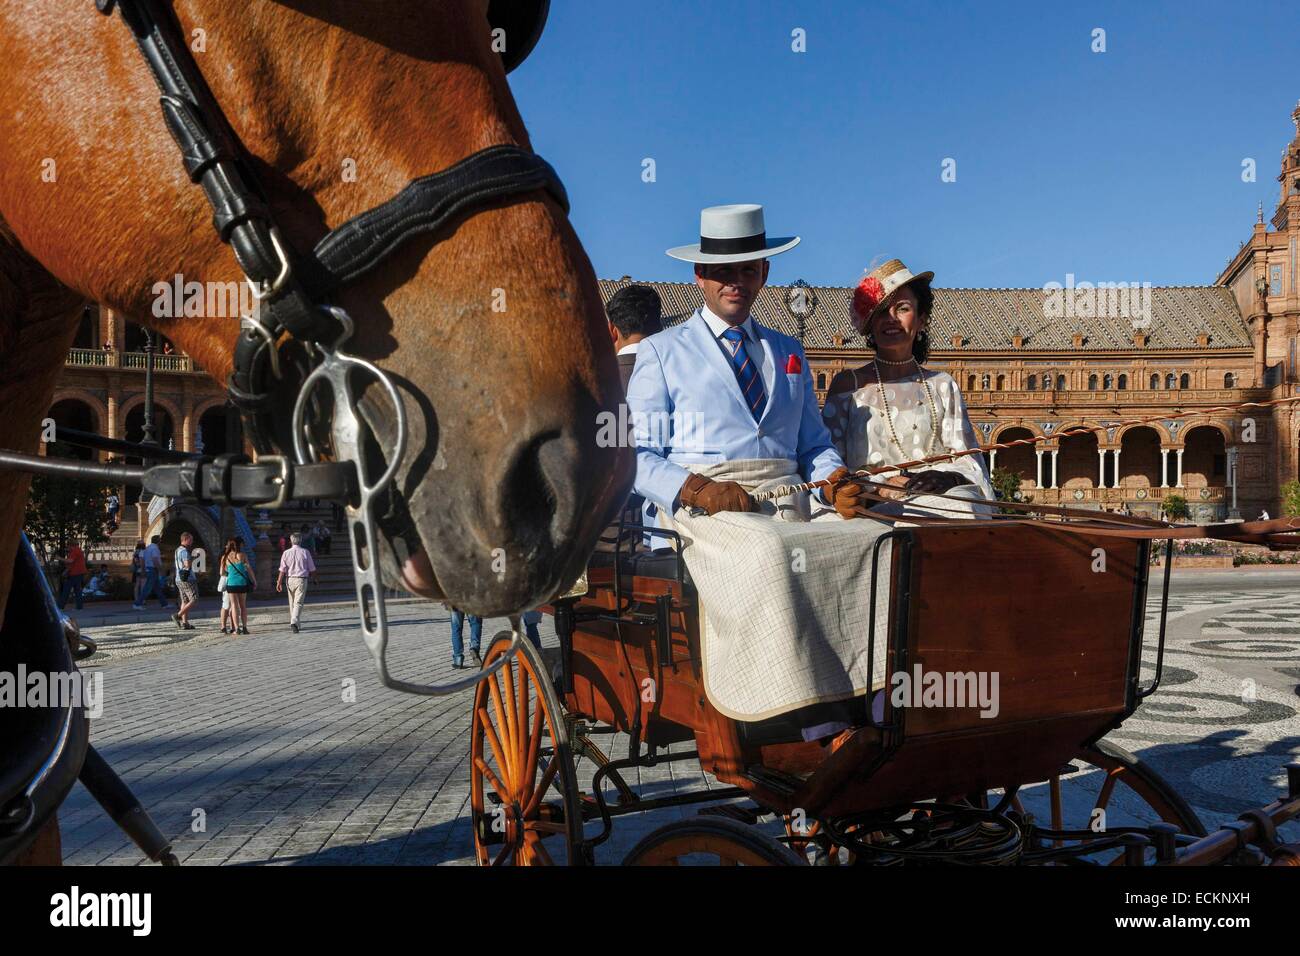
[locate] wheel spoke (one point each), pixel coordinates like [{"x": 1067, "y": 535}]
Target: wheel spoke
[
  {"x": 484, "y": 769},
  {"x": 512, "y": 713},
  {"x": 547, "y": 776},
  {"x": 490, "y": 733},
  {"x": 545, "y": 826},
  {"x": 539, "y": 850},
  {"x": 1107, "y": 788},
  {"x": 498, "y": 707},
  {"x": 500, "y": 858},
  {"x": 523, "y": 720}
]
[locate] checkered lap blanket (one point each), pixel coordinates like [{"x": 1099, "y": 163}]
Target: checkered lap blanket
[{"x": 784, "y": 597}]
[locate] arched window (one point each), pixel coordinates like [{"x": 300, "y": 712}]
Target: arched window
[
  {"x": 1002, "y": 382},
  {"x": 1229, "y": 380},
  {"x": 1033, "y": 383},
  {"x": 970, "y": 383},
  {"x": 1170, "y": 381},
  {"x": 1155, "y": 380},
  {"x": 1060, "y": 382},
  {"x": 984, "y": 382},
  {"x": 1092, "y": 383},
  {"x": 821, "y": 380},
  {"x": 1107, "y": 381},
  {"x": 1184, "y": 381},
  {"x": 1123, "y": 381}
]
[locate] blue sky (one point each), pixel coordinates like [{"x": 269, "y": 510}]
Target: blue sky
[{"x": 1115, "y": 166}]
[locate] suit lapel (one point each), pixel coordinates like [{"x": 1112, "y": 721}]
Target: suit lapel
[
  {"x": 769, "y": 372},
  {"x": 711, "y": 351}
]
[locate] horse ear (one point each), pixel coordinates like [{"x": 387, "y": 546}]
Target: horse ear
[{"x": 521, "y": 23}]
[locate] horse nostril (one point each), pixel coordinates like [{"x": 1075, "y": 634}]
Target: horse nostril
[{"x": 542, "y": 493}]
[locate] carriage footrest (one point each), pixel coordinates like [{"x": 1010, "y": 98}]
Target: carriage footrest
[
  {"x": 747, "y": 814},
  {"x": 783, "y": 783}
]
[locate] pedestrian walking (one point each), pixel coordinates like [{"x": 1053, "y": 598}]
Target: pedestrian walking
[
  {"x": 74, "y": 575},
  {"x": 240, "y": 580},
  {"x": 322, "y": 535},
  {"x": 153, "y": 573},
  {"x": 531, "y": 620},
  {"x": 114, "y": 506},
  {"x": 297, "y": 568},
  {"x": 187, "y": 589},
  {"x": 458, "y": 640},
  {"x": 227, "y": 620},
  {"x": 307, "y": 539},
  {"x": 138, "y": 576}
]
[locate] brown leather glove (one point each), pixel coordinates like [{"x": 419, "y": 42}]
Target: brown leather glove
[
  {"x": 714, "y": 496},
  {"x": 846, "y": 496}
]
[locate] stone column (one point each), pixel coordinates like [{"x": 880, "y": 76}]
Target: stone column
[
  {"x": 993, "y": 459},
  {"x": 1164, "y": 467},
  {"x": 1055, "y": 451},
  {"x": 264, "y": 557},
  {"x": 1038, "y": 481},
  {"x": 1116, "y": 484},
  {"x": 1179, "y": 482},
  {"x": 1101, "y": 468}
]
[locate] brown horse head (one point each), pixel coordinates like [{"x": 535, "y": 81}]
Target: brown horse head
[{"x": 492, "y": 329}]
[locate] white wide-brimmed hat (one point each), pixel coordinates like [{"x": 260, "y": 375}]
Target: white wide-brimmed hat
[{"x": 733, "y": 233}]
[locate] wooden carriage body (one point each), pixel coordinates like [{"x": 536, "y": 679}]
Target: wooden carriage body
[{"x": 1057, "y": 616}]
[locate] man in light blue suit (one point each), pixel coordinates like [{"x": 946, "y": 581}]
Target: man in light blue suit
[{"x": 720, "y": 387}]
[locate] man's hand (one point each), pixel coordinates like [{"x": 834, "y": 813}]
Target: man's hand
[
  {"x": 279, "y": 584},
  {"x": 846, "y": 495},
  {"x": 714, "y": 496}
]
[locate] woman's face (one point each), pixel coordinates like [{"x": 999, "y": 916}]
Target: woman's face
[{"x": 896, "y": 327}]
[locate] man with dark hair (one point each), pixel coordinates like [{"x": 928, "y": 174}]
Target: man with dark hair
[{"x": 633, "y": 313}]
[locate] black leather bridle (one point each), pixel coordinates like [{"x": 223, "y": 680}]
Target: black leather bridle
[{"x": 294, "y": 340}]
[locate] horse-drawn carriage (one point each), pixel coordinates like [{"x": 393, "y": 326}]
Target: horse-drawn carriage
[{"x": 1037, "y": 783}]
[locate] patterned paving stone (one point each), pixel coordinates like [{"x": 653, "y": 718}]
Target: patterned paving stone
[{"x": 284, "y": 748}]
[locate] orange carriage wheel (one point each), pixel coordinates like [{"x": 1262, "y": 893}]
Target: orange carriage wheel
[
  {"x": 711, "y": 841},
  {"x": 1125, "y": 788},
  {"x": 523, "y": 790}
]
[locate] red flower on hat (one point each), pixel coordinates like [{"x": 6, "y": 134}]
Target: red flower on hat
[
  {"x": 866, "y": 297},
  {"x": 793, "y": 366}
]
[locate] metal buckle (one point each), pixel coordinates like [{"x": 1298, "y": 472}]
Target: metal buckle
[
  {"x": 248, "y": 322},
  {"x": 282, "y": 480},
  {"x": 363, "y": 528},
  {"x": 267, "y": 290}
]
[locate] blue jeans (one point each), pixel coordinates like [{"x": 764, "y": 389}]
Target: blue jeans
[
  {"x": 151, "y": 587},
  {"x": 73, "y": 583},
  {"x": 531, "y": 620},
  {"x": 475, "y": 633}
]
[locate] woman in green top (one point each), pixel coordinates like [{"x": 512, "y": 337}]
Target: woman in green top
[{"x": 238, "y": 571}]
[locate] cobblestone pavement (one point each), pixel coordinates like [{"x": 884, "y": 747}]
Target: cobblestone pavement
[{"x": 252, "y": 736}]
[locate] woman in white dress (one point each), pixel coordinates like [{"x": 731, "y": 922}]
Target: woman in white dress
[{"x": 893, "y": 409}]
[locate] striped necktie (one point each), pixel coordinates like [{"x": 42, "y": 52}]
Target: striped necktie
[{"x": 751, "y": 383}]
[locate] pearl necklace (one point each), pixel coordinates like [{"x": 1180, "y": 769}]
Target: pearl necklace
[
  {"x": 907, "y": 361},
  {"x": 889, "y": 417}
]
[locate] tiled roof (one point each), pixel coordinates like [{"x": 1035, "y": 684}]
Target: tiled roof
[{"x": 988, "y": 319}]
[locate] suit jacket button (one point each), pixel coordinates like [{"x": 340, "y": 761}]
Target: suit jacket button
[{"x": 760, "y": 433}]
